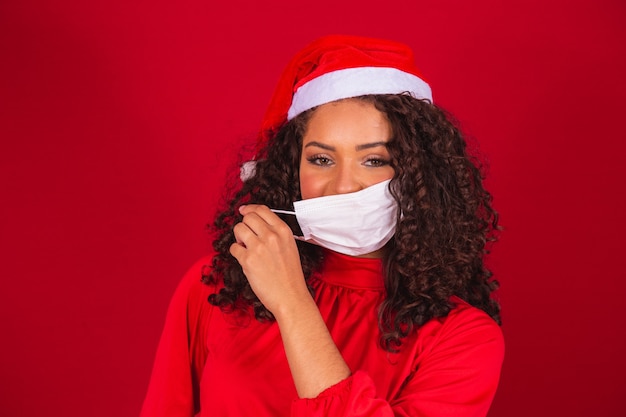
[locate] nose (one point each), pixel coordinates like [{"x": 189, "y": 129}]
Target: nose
[{"x": 345, "y": 181}]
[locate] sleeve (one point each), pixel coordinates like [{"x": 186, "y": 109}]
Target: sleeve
[
  {"x": 456, "y": 376},
  {"x": 174, "y": 384}
]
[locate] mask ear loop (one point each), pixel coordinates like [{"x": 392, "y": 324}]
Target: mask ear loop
[
  {"x": 291, "y": 219},
  {"x": 277, "y": 211}
]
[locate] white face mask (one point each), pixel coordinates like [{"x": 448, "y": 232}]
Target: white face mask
[{"x": 353, "y": 224}]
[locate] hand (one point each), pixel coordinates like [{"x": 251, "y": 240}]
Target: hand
[{"x": 267, "y": 252}]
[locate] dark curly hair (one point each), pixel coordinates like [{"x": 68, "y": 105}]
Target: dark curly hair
[{"x": 445, "y": 229}]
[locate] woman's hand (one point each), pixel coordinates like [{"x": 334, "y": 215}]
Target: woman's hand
[{"x": 267, "y": 252}]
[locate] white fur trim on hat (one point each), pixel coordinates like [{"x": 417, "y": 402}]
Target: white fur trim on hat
[{"x": 354, "y": 82}]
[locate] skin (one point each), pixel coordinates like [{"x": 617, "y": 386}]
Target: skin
[{"x": 343, "y": 151}]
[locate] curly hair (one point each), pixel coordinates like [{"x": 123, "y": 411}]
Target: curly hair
[{"x": 445, "y": 225}]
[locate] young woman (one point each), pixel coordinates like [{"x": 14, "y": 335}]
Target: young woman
[{"x": 374, "y": 301}]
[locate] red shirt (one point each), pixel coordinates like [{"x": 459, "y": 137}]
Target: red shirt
[{"x": 218, "y": 364}]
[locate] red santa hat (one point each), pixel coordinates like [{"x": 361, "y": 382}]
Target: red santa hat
[{"x": 337, "y": 67}]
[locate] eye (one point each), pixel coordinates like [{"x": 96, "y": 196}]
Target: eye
[
  {"x": 320, "y": 160},
  {"x": 376, "y": 162}
]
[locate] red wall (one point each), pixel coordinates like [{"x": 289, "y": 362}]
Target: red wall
[{"x": 119, "y": 120}]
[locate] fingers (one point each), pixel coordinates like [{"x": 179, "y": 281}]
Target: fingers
[
  {"x": 259, "y": 224},
  {"x": 237, "y": 250},
  {"x": 260, "y": 219},
  {"x": 262, "y": 211}
]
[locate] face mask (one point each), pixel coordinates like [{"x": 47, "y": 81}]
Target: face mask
[{"x": 353, "y": 224}]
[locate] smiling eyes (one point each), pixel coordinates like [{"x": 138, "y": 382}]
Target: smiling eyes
[
  {"x": 319, "y": 160},
  {"x": 376, "y": 162},
  {"x": 325, "y": 161}
]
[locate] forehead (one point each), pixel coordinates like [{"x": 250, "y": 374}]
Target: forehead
[{"x": 347, "y": 120}]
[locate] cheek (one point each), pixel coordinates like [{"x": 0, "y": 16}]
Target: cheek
[
  {"x": 386, "y": 174},
  {"x": 311, "y": 185}
]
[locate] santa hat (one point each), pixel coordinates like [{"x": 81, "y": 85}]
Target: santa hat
[{"x": 337, "y": 67}]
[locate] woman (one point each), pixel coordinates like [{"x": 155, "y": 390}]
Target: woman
[{"x": 381, "y": 303}]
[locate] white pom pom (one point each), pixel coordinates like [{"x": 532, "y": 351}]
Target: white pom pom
[{"x": 247, "y": 171}]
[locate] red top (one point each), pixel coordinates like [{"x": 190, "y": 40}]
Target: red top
[{"x": 217, "y": 364}]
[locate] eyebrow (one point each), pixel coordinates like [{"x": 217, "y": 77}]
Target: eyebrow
[{"x": 358, "y": 147}]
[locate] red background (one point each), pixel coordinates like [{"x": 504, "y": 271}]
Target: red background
[{"x": 119, "y": 121}]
